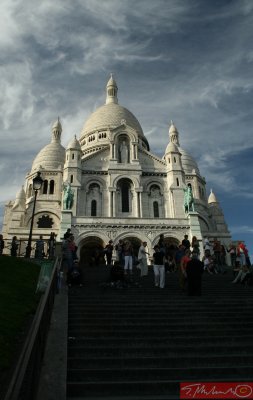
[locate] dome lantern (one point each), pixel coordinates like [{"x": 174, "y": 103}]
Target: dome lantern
[
  {"x": 112, "y": 90},
  {"x": 56, "y": 131}
]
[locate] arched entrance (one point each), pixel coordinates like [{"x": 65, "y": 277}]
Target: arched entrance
[
  {"x": 171, "y": 244},
  {"x": 136, "y": 243},
  {"x": 91, "y": 251}
]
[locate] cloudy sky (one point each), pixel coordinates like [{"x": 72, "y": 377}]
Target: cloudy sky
[{"x": 189, "y": 61}]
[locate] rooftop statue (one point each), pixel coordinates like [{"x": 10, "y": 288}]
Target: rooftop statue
[{"x": 123, "y": 152}]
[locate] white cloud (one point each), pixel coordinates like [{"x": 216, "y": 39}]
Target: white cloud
[
  {"x": 241, "y": 229},
  {"x": 17, "y": 100}
]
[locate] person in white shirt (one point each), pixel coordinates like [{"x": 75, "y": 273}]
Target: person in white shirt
[{"x": 143, "y": 255}]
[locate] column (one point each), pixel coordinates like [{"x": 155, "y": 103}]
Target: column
[
  {"x": 110, "y": 203},
  {"x": 140, "y": 204},
  {"x": 113, "y": 203}
]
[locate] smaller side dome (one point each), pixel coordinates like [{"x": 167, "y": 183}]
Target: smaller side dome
[
  {"x": 74, "y": 144},
  {"x": 212, "y": 198},
  {"x": 52, "y": 156}
]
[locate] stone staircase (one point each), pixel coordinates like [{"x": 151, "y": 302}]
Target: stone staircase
[{"x": 141, "y": 342}]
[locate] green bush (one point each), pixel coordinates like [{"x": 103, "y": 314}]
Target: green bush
[{"x": 18, "y": 302}]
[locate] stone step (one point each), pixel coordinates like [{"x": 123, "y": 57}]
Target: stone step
[
  {"x": 145, "y": 323},
  {"x": 140, "y": 343},
  {"x": 163, "y": 374},
  {"x": 84, "y": 312},
  {"x": 164, "y": 331},
  {"x": 158, "y": 318},
  {"x": 162, "y": 341},
  {"x": 157, "y": 350},
  {"x": 115, "y": 389},
  {"x": 114, "y": 304},
  {"x": 190, "y": 360}
]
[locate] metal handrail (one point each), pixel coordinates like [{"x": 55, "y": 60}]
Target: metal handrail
[{"x": 25, "y": 379}]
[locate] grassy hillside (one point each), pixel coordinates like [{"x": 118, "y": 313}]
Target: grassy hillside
[{"x": 18, "y": 302}]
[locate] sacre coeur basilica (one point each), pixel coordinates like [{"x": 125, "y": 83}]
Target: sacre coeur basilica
[{"x": 108, "y": 185}]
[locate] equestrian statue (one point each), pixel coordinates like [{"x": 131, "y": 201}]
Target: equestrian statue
[
  {"x": 188, "y": 199},
  {"x": 68, "y": 197}
]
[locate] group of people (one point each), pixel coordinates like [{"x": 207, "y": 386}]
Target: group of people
[
  {"x": 40, "y": 245},
  {"x": 239, "y": 258},
  {"x": 185, "y": 259},
  {"x": 165, "y": 259}
]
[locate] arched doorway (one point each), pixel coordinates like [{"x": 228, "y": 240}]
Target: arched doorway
[
  {"x": 124, "y": 200},
  {"x": 171, "y": 243},
  {"x": 136, "y": 243},
  {"x": 91, "y": 251}
]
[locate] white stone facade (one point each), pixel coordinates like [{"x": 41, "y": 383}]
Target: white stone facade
[{"x": 121, "y": 190}]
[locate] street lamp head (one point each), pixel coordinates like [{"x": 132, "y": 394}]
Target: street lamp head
[{"x": 37, "y": 181}]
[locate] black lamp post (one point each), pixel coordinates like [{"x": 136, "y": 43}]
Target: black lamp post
[{"x": 37, "y": 183}]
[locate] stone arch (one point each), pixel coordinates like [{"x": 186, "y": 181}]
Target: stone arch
[
  {"x": 134, "y": 180},
  {"x": 97, "y": 180},
  {"x": 156, "y": 182},
  {"x": 132, "y": 135},
  {"x": 168, "y": 239},
  {"x": 90, "y": 249},
  {"x": 204, "y": 224},
  {"x": 40, "y": 213},
  {"x": 137, "y": 239}
]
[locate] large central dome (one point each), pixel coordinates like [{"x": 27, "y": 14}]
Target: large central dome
[{"x": 109, "y": 116}]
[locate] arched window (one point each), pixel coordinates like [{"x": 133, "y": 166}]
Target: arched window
[
  {"x": 71, "y": 178},
  {"x": 45, "y": 186},
  {"x": 51, "y": 187},
  {"x": 73, "y": 156},
  {"x": 125, "y": 196},
  {"x": 177, "y": 182},
  {"x": 175, "y": 160},
  {"x": 156, "y": 209},
  {"x": 93, "y": 208}
]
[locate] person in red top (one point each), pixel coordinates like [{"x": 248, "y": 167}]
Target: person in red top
[
  {"x": 182, "y": 270},
  {"x": 241, "y": 253}
]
